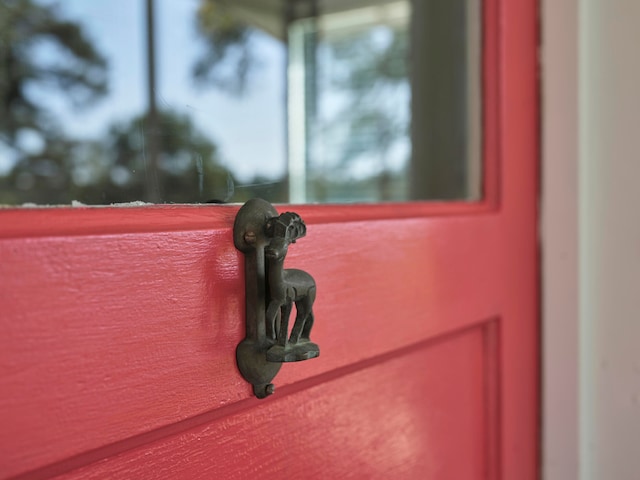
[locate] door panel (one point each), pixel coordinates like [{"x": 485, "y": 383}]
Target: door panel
[
  {"x": 119, "y": 327},
  {"x": 107, "y": 352},
  {"x": 413, "y": 413}
]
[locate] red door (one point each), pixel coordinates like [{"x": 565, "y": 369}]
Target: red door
[{"x": 119, "y": 328}]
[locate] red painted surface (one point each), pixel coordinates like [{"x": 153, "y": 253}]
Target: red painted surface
[
  {"x": 383, "y": 438},
  {"x": 119, "y": 327},
  {"x": 125, "y": 350}
]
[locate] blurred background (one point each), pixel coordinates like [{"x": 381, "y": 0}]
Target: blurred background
[{"x": 211, "y": 100}]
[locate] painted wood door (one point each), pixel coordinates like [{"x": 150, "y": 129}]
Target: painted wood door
[{"x": 119, "y": 328}]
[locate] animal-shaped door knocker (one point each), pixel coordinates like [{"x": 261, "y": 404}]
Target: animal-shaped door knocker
[{"x": 271, "y": 292}]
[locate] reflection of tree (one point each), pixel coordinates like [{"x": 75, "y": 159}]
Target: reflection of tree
[
  {"x": 188, "y": 162},
  {"x": 115, "y": 169},
  {"x": 78, "y": 69},
  {"x": 41, "y": 51},
  {"x": 227, "y": 58},
  {"x": 369, "y": 71},
  {"x": 29, "y": 33}
]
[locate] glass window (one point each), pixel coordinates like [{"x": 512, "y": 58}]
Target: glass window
[{"x": 220, "y": 101}]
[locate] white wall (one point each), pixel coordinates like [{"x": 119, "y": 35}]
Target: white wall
[
  {"x": 591, "y": 267},
  {"x": 609, "y": 184}
]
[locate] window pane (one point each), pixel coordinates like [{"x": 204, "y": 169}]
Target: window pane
[
  {"x": 300, "y": 101},
  {"x": 355, "y": 107},
  {"x": 384, "y": 102},
  {"x": 446, "y": 72}
]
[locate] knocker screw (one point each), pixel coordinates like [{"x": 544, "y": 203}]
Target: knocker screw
[{"x": 250, "y": 238}]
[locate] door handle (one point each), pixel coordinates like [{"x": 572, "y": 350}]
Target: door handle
[{"x": 264, "y": 238}]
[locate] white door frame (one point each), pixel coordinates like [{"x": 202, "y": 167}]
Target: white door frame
[{"x": 590, "y": 224}]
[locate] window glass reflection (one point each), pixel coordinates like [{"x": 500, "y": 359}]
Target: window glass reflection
[
  {"x": 219, "y": 101},
  {"x": 352, "y": 142},
  {"x": 76, "y": 118}
]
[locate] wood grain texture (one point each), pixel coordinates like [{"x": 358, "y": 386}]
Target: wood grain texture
[
  {"x": 106, "y": 337},
  {"x": 405, "y": 417}
]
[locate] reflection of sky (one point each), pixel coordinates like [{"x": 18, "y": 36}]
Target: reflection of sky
[
  {"x": 249, "y": 130},
  {"x": 340, "y": 107}
]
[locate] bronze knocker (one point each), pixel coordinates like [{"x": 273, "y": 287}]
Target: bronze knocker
[{"x": 271, "y": 290}]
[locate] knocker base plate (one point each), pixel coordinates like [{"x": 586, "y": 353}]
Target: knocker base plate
[
  {"x": 293, "y": 353},
  {"x": 255, "y": 368}
]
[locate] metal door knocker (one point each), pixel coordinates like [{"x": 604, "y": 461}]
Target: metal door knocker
[{"x": 271, "y": 290}]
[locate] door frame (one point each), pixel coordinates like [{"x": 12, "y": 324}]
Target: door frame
[
  {"x": 590, "y": 234},
  {"x": 560, "y": 338}
]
